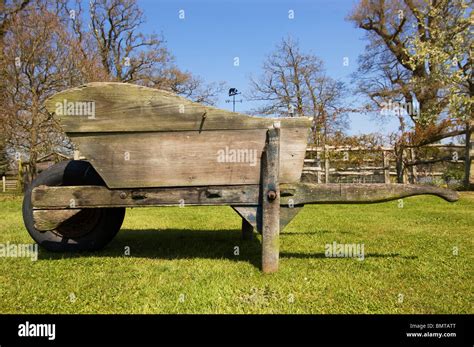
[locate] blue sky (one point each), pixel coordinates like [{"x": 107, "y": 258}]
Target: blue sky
[{"x": 214, "y": 32}]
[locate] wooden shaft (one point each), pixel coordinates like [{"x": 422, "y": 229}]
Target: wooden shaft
[
  {"x": 44, "y": 197},
  {"x": 48, "y": 202},
  {"x": 307, "y": 193},
  {"x": 270, "y": 199}
]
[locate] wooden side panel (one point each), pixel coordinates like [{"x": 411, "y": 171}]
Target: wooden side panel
[
  {"x": 122, "y": 107},
  {"x": 189, "y": 158}
]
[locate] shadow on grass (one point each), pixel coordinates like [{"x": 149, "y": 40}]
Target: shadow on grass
[
  {"x": 189, "y": 244},
  {"x": 175, "y": 244}
]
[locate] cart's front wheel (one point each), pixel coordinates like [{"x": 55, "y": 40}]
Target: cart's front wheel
[{"x": 89, "y": 229}]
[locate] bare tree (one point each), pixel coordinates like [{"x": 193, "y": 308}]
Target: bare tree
[
  {"x": 128, "y": 55},
  {"x": 294, "y": 83},
  {"x": 8, "y": 10},
  {"x": 36, "y": 63}
]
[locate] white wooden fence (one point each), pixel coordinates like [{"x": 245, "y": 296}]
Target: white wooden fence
[
  {"x": 10, "y": 184},
  {"x": 381, "y": 166}
]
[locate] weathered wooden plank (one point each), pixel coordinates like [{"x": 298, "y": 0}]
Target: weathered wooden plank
[
  {"x": 50, "y": 219},
  {"x": 189, "y": 158},
  {"x": 96, "y": 196},
  {"x": 244, "y": 197},
  {"x": 270, "y": 202},
  {"x": 122, "y": 107}
]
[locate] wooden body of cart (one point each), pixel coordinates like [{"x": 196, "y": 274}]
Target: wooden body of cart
[{"x": 145, "y": 147}]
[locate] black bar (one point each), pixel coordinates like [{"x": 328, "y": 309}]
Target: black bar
[{"x": 225, "y": 329}]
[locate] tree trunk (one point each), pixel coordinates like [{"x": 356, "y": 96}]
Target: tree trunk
[
  {"x": 414, "y": 173},
  {"x": 468, "y": 157},
  {"x": 33, "y": 155},
  {"x": 400, "y": 165}
]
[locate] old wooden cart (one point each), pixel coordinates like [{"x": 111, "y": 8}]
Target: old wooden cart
[{"x": 146, "y": 147}]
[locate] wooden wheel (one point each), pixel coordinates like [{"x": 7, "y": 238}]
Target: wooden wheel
[{"x": 71, "y": 229}]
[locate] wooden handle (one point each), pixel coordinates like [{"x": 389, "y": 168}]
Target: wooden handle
[{"x": 308, "y": 193}]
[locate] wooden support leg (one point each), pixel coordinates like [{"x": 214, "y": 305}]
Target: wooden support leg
[
  {"x": 287, "y": 214},
  {"x": 270, "y": 200},
  {"x": 247, "y": 230},
  {"x": 253, "y": 214}
]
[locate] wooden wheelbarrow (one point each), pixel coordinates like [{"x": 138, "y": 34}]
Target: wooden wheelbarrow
[{"x": 145, "y": 147}]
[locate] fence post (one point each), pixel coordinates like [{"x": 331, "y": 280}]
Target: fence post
[
  {"x": 318, "y": 173},
  {"x": 4, "y": 181},
  {"x": 404, "y": 168},
  {"x": 414, "y": 174},
  {"x": 386, "y": 167},
  {"x": 469, "y": 157},
  {"x": 326, "y": 163}
]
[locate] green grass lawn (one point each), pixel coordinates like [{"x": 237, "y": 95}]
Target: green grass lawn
[{"x": 182, "y": 261}]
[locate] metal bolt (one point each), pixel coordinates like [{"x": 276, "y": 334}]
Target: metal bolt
[
  {"x": 271, "y": 195},
  {"x": 123, "y": 195}
]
